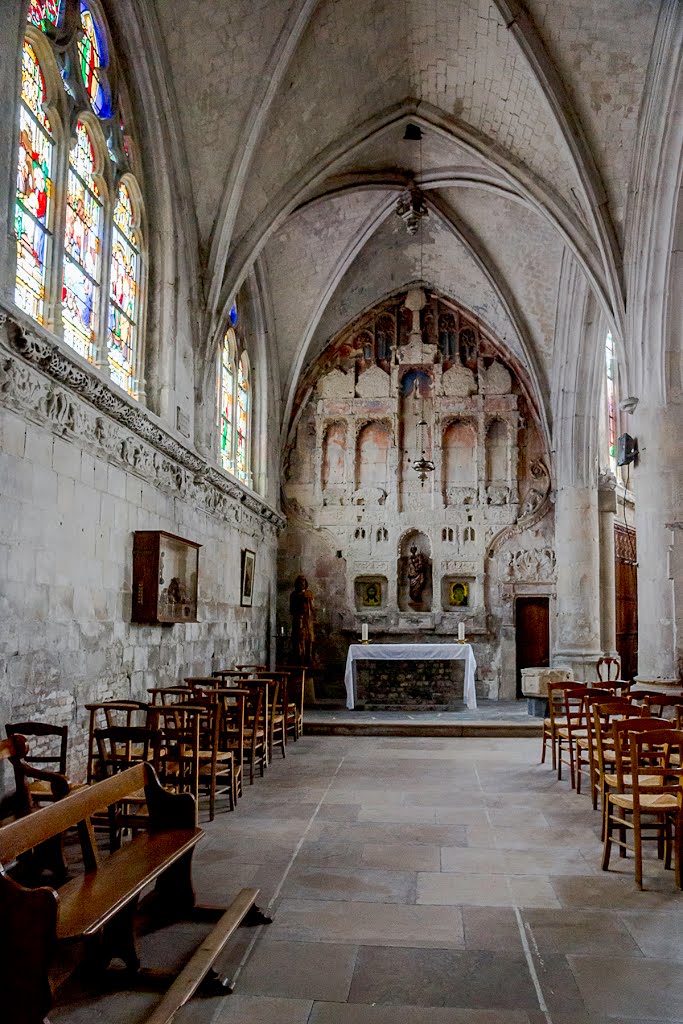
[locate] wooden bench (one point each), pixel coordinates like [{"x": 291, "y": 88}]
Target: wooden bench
[{"x": 98, "y": 906}]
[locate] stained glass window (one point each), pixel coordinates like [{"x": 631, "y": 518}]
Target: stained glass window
[
  {"x": 123, "y": 294},
  {"x": 91, "y": 53},
  {"x": 82, "y": 245},
  {"x": 243, "y": 411},
  {"x": 44, "y": 14},
  {"x": 33, "y": 212},
  {"x": 610, "y": 368},
  {"x": 227, "y": 400}
]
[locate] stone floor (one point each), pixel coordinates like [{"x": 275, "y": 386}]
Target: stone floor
[{"x": 422, "y": 881}]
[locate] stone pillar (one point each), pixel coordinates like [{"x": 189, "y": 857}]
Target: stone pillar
[
  {"x": 576, "y": 642},
  {"x": 607, "y": 507},
  {"x": 657, "y": 480}
]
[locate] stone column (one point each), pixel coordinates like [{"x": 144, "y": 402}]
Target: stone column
[
  {"x": 657, "y": 479},
  {"x": 576, "y": 643},
  {"x": 607, "y": 507}
]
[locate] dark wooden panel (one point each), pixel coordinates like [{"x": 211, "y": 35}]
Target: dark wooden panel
[
  {"x": 532, "y": 634},
  {"x": 626, "y": 584}
]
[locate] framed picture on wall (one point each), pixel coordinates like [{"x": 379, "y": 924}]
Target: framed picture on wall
[{"x": 247, "y": 577}]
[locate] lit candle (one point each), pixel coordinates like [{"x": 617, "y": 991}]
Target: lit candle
[
  {"x": 461, "y": 631},
  {"x": 364, "y": 632}
]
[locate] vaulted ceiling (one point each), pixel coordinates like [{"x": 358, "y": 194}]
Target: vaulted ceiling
[{"x": 293, "y": 115}]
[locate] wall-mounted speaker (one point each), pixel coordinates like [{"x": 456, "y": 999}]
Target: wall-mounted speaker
[{"x": 627, "y": 450}]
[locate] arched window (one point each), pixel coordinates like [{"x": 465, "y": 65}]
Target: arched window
[
  {"x": 235, "y": 406},
  {"x": 228, "y": 380},
  {"x": 90, "y": 178},
  {"x": 33, "y": 212}
]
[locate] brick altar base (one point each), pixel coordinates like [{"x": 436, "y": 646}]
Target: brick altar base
[{"x": 409, "y": 685}]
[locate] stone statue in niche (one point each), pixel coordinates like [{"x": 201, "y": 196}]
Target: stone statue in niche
[
  {"x": 416, "y": 574},
  {"x": 301, "y": 610}
]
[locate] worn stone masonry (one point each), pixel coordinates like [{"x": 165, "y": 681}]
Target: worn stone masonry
[
  {"x": 81, "y": 468},
  {"x": 418, "y": 374}
]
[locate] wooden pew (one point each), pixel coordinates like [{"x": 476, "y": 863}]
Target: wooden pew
[{"x": 99, "y": 905}]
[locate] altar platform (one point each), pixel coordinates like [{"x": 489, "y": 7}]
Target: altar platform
[{"x": 492, "y": 718}]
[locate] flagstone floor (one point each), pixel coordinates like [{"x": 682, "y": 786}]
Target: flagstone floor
[{"x": 421, "y": 881}]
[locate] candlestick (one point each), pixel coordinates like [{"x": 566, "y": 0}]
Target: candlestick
[
  {"x": 364, "y": 632},
  {"x": 461, "y": 631}
]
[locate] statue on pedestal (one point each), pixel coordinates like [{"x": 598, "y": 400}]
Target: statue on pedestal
[{"x": 301, "y": 610}]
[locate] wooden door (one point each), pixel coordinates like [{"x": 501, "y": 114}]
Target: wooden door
[
  {"x": 626, "y": 584},
  {"x": 532, "y": 633}
]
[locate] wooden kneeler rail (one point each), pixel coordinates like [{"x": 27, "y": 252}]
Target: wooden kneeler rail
[{"x": 190, "y": 978}]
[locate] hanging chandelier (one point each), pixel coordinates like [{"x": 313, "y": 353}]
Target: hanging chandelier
[
  {"x": 423, "y": 466},
  {"x": 413, "y": 211}
]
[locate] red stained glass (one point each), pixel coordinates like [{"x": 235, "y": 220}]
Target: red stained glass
[
  {"x": 123, "y": 296},
  {"x": 82, "y": 244},
  {"x": 34, "y": 189},
  {"x": 243, "y": 411},
  {"x": 44, "y": 13},
  {"x": 227, "y": 399}
]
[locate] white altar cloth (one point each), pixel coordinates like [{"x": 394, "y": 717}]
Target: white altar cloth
[{"x": 412, "y": 652}]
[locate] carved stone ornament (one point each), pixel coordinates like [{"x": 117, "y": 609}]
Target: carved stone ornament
[
  {"x": 90, "y": 411},
  {"x": 530, "y": 564},
  {"x": 538, "y": 489}
]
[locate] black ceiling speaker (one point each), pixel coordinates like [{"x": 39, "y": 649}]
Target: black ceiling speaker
[{"x": 627, "y": 450}]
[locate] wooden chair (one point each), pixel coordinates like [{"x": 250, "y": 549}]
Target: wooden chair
[
  {"x": 51, "y": 761},
  {"x": 233, "y": 726},
  {"x": 655, "y": 703},
  {"x": 109, "y": 713},
  {"x": 15, "y": 749},
  {"x": 646, "y": 798},
  {"x": 191, "y": 735},
  {"x": 296, "y": 688},
  {"x": 605, "y": 714},
  {"x": 609, "y": 671},
  {"x": 574, "y": 729},
  {"x": 120, "y": 747},
  {"x": 589, "y": 747},
  {"x": 582, "y": 734},
  {"x": 47, "y": 856},
  {"x": 165, "y": 695},
  {"x": 555, "y": 717},
  {"x": 255, "y": 732}
]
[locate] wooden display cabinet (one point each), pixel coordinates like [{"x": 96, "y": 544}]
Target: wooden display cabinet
[{"x": 165, "y": 574}]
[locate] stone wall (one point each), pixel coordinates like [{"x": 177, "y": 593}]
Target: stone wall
[
  {"x": 413, "y": 559},
  {"x": 80, "y": 470}
]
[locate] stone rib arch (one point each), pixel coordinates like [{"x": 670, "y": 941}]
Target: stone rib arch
[{"x": 304, "y": 185}]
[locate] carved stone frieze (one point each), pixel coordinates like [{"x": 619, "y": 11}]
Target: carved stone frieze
[
  {"x": 119, "y": 431},
  {"x": 530, "y": 564}
]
